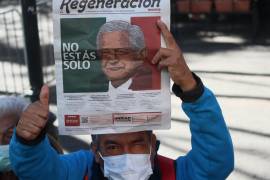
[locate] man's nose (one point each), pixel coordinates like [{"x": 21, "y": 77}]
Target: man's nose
[
  {"x": 113, "y": 61},
  {"x": 127, "y": 150}
]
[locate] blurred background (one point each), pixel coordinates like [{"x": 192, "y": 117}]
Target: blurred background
[{"x": 226, "y": 42}]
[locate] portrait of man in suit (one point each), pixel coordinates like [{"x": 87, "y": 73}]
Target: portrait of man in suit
[{"x": 123, "y": 53}]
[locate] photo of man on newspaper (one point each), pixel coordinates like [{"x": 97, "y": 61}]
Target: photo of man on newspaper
[
  {"x": 119, "y": 53},
  {"x": 122, "y": 50}
]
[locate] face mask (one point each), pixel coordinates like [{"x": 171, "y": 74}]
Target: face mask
[
  {"x": 127, "y": 167},
  {"x": 4, "y": 158}
]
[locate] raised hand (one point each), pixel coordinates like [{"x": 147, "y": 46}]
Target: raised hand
[
  {"x": 173, "y": 59},
  {"x": 34, "y": 118}
]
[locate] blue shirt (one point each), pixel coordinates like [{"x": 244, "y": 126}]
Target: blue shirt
[{"x": 211, "y": 156}]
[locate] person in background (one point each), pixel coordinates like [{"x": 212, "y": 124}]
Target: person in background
[{"x": 11, "y": 108}]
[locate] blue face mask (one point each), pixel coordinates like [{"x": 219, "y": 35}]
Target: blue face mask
[
  {"x": 127, "y": 166},
  {"x": 4, "y": 158}
]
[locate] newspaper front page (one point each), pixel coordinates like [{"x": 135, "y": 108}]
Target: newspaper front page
[{"x": 105, "y": 80}]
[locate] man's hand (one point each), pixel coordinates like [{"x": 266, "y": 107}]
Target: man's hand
[
  {"x": 35, "y": 117},
  {"x": 172, "y": 58}
]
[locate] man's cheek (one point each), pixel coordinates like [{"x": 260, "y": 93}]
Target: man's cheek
[
  {"x": 103, "y": 64},
  {"x": 131, "y": 66}
]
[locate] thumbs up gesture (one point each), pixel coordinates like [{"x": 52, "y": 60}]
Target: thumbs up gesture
[{"x": 34, "y": 118}]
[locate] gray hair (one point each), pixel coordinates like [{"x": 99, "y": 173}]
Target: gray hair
[
  {"x": 11, "y": 105},
  {"x": 136, "y": 36}
]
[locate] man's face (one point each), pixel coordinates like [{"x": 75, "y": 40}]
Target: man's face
[
  {"x": 119, "y": 61},
  {"x": 7, "y": 123},
  {"x": 125, "y": 143}
]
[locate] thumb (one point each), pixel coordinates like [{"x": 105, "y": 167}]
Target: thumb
[{"x": 44, "y": 95}]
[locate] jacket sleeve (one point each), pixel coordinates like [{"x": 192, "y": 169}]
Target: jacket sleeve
[
  {"x": 41, "y": 162},
  {"x": 211, "y": 156}
]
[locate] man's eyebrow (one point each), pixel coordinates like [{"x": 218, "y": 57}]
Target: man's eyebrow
[
  {"x": 105, "y": 49},
  {"x": 138, "y": 140},
  {"x": 109, "y": 142}
]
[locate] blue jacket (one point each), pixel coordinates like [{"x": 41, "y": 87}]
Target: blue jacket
[{"x": 211, "y": 156}]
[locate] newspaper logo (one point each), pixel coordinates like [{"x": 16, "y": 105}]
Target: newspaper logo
[
  {"x": 84, "y": 5},
  {"x": 72, "y": 120}
]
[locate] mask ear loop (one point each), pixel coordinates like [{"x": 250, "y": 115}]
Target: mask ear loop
[
  {"x": 102, "y": 169},
  {"x": 100, "y": 155}
]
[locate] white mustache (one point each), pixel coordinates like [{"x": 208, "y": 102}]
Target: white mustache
[{"x": 113, "y": 64}]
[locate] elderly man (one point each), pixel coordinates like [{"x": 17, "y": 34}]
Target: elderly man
[
  {"x": 121, "y": 47},
  {"x": 132, "y": 156},
  {"x": 11, "y": 108}
]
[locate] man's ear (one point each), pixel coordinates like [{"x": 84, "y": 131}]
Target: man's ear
[
  {"x": 153, "y": 144},
  {"x": 94, "y": 149},
  {"x": 153, "y": 149}
]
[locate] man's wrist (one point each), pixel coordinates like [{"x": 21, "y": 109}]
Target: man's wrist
[
  {"x": 190, "y": 93},
  {"x": 33, "y": 142},
  {"x": 186, "y": 82}
]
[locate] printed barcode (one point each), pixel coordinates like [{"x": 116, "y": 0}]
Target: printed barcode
[{"x": 84, "y": 120}]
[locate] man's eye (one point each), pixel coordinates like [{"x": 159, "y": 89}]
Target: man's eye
[
  {"x": 122, "y": 51},
  {"x": 105, "y": 53},
  {"x": 112, "y": 147},
  {"x": 106, "y": 56}
]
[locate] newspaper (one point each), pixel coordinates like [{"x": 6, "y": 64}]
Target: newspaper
[{"x": 105, "y": 80}]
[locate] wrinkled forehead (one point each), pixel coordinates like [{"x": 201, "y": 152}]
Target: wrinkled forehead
[{"x": 114, "y": 40}]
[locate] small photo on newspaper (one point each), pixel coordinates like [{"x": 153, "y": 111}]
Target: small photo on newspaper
[{"x": 105, "y": 80}]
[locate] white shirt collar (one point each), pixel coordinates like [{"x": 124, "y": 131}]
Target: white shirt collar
[{"x": 123, "y": 87}]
